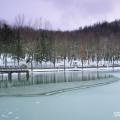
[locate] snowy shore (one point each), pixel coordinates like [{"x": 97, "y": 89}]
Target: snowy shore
[{"x": 76, "y": 69}]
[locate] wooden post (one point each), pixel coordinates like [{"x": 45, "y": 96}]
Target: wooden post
[
  {"x": 2, "y": 75},
  {"x": 27, "y": 75},
  {"x": 19, "y": 75},
  {"x": 9, "y": 76}
]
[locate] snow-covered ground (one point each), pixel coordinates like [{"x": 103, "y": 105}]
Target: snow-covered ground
[
  {"x": 58, "y": 64},
  {"x": 95, "y": 103},
  {"x": 76, "y": 69}
]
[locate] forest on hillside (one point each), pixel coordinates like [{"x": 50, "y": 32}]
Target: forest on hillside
[{"x": 97, "y": 42}]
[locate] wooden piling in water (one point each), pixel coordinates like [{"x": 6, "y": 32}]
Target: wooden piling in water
[
  {"x": 9, "y": 76},
  {"x": 27, "y": 75}
]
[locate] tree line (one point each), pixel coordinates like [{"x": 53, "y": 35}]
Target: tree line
[{"x": 97, "y": 42}]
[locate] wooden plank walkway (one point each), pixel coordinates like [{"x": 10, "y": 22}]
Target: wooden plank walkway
[
  {"x": 14, "y": 70},
  {"x": 10, "y": 71}
]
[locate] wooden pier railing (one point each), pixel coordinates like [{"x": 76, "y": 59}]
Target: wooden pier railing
[{"x": 10, "y": 71}]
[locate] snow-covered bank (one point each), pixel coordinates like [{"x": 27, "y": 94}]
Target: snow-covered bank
[
  {"x": 77, "y": 69},
  {"x": 10, "y": 62}
]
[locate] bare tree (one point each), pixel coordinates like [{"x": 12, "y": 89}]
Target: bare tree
[
  {"x": 19, "y": 23},
  {"x": 20, "y": 20}
]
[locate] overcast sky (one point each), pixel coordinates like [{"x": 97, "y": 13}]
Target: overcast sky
[{"x": 62, "y": 14}]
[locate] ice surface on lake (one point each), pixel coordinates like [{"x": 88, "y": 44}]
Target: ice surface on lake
[
  {"x": 94, "y": 103},
  {"x": 10, "y": 113}
]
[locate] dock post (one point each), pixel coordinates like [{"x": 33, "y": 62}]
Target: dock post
[
  {"x": 2, "y": 76},
  {"x": 9, "y": 76},
  {"x": 19, "y": 76},
  {"x": 27, "y": 75}
]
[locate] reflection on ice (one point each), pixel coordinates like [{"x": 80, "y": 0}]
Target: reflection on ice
[
  {"x": 47, "y": 78},
  {"x": 52, "y": 83}
]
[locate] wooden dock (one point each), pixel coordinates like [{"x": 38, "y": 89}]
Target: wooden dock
[{"x": 10, "y": 71}]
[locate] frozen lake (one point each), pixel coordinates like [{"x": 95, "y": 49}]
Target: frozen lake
[{"x": 67, "y": 96}]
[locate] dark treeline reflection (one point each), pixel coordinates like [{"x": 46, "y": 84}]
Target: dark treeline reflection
[{"x": 47, "y": 78}]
